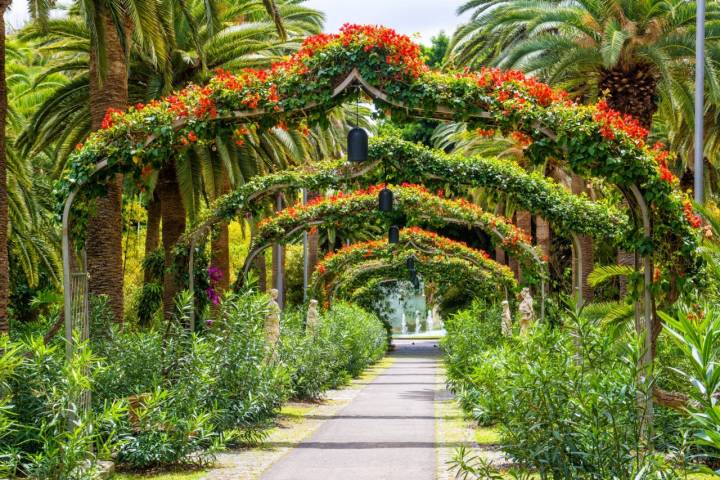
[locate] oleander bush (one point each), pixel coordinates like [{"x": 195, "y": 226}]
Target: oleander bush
[
  {"x": 165, "y": 398},
  {"x": 565, "y": 398},
  {"x": 346, "y": 341}
]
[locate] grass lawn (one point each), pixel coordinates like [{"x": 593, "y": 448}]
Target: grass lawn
[{"x": 487, "y": 435}]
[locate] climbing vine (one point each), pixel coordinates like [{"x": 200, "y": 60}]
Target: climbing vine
[
  {"x": 412, "y": 240},
  {"x": 414, "y": 201},
  {"x": 540, "y": 195}
]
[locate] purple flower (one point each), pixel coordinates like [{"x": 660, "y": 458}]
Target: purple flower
[
  {"x": 209, "y": 322},
  {"x": 213, "y": 296},
  {"x": 215, "y": 274}
]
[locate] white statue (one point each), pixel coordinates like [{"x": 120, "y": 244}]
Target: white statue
[
  {"x": 429, "y": 321},
  {"x": 272, "y": 321},
  {"x": 417, "y": 322},
  {"x": 313, "y": 316},
  {"x": 506, "y": 319},
  {"x": 527, "y": 313}
]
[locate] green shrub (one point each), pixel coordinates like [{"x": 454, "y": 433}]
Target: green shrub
[
  {"x": 347, "y": 340},
  {"x": 564, "y": 399},
  {"x": 697, "y": 335},
  {"x": 49, "y": 434},
  {"x": 171, "y": 397}
]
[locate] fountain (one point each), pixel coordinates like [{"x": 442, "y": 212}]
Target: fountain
[
  {"x": 417, "y": 322},
  {"x": 429, "y": 321},
  {"x": 403, "y": 325}
]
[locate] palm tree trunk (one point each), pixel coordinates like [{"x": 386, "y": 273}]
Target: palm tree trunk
[
  {"x": 278, "y": 264},
  {"x": 152, "y": 231},
  {"x": 108, "y": 88},
  {"x": 313, "y": 241},
  {"x": 542, "y": 234},
  {"x": 173, "y": 226},
  {"x": 4, "y": 220},
  {"x": 259, "y": 264}
]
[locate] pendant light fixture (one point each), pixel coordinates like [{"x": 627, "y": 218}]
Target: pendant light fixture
[
  {"x": 411, "y": 264},
  {"x": 385, "y": 200},
  {"x": 394, "y": 235},
  {"x": 357, "y": 140}
]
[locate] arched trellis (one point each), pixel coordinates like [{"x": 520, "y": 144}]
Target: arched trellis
[
  {"x": 445, "y": 271},
  {"x": 412, "y": 241},
  {"x": 568, "y": 213},
  {"x": 590, "y": 140},
  {"x": 414, "y": 201}
]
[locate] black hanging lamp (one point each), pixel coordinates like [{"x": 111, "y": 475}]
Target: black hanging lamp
[
  {"x": 357, "y": 140},
  {"x": 394, "y": 234},
  {"x": 385, "y": 200},
  {"x": 411, "y": 264}
]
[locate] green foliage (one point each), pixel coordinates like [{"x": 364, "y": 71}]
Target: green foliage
[
  {"x": 51, "y": 436},
  {"x": 565, "y": 399},
  {"x": 346, "y": 341},
  {"x": 698, "y": 336}
]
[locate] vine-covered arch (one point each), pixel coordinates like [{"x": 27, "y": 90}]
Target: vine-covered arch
[
  {"x": 568, "y": 213},
  {"x": 412, "y": 241},
  {"x": 592, "y": 140},
  {"x": 446, "y": 272},
  {"x": 414, "y": 201}
]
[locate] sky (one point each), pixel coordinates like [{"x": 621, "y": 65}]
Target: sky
[{"x": 423, "y": 17}]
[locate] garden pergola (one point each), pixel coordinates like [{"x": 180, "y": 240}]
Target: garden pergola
[{"x": 388, "y": 68}]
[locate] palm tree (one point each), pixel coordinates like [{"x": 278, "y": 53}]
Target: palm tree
[
  {"x": 621, "y": 50},
  {"x": 4, "y": 259},
  {"x": 33, "y": 242},
  {"x": 197, "y": 39}
]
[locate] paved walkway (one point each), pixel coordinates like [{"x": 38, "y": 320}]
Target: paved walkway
[{"x": 387, "y": 432}]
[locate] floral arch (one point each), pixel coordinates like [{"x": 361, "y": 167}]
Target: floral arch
[
  {"x": 414, "y": 201},
  {"x": 445, "y": 271},
  {"x": 535, "y": 193},
  {"x": 413, "y": 241}
]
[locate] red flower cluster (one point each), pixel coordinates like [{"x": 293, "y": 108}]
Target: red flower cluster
[
  {"x": 206, "y": 105},
  {"x": 397, "y": 49},
  {"x": 485, "y": 132},
  {"x": 661, "y": 156},
  {"x": 521, "y": 138},
  {"x": 693, "y": 219},
  {"x": 109, "y": 118},
  {"x": 611, "y": 121},
  {"x": 496, "y": 78},
  {"x": 177, "y": 106}
]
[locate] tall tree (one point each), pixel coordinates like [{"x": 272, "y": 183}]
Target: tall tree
[
  {"x": 620, "y": 50},
  {"x": 4, "y": 221},
  {"x": 108, "y": 76}
]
